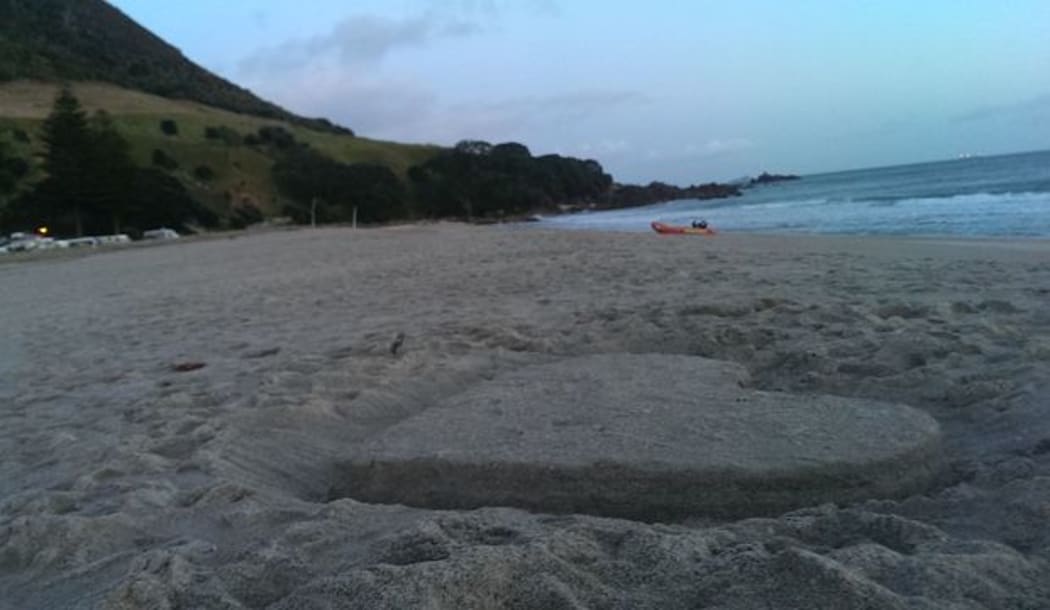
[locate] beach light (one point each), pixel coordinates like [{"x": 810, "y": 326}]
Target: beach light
[{"x": 43, "y": 230}]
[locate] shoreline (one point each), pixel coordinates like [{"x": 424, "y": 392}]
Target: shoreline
[
  {"x": 803, "y": 234},
  {"x": 524, "y": 224},
  {"x": 1011, "y": 242}
]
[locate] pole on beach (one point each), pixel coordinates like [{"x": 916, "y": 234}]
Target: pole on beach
[
  {"x": 313, "y": 213},
  {"x": 355, "y": 216}
]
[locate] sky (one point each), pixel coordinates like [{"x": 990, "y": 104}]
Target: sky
[{"x": 669, "y": 90}]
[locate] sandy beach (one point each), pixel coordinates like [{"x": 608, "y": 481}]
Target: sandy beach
[{"x": 174, "y": 420}]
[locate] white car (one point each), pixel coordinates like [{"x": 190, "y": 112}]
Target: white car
[
  {"x": 161, "y": 233},
  {"x": 24, "y": 244},
  {"x": 110, "y": 240},
  {"x": 81, "y": 242}
]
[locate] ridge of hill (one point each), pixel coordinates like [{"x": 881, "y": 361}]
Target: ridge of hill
[{"x": 90, "y": 40}]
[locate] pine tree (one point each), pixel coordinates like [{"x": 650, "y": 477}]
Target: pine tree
[
  {"x": 89, "y": 168},
  {"x": 7, "y": 174},
  {"x": 111, "y": 171},
  {"x": 66, "y": 136}
]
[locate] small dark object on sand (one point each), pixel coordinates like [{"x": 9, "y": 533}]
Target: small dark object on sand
[
  {"x": 185, "y": 367},
  {"x": 399, "y": 340}
]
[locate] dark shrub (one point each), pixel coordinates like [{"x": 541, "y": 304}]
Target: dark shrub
[
  {"x": 166, "y": 203},
  {"x": 224, "y": 134},
  {"x": 303, "y": 174},
  {"x": 300, "y": 214},
  {"x": 277, "y": 137},
  {"x": 164, "y": 161},
  {"x": 473, "y": 147},
  {"x": 205, "y": 173},
  {"x": 326, "y": 125},
  {"x": 139, "y": 69},
  {"x": 17, "y": 166},
  {"x": 245, "y": 215},
  {"x": 169, "y": 127}
]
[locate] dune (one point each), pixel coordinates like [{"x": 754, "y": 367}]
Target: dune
[{"x": 186, "y": 426}]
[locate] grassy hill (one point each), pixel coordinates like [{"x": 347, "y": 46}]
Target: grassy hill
[
  {"x": 240, "y": 172},
  {"x": 90, "y": 40}
]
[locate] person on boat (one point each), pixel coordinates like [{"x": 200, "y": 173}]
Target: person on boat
[{"x": 700, "y": 224}]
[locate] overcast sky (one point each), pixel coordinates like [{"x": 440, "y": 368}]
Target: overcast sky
[{"x": 659, "y": 90}]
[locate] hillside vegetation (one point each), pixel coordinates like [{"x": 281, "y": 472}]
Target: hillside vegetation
[
  {"x": 90, "y": 40},
  {"x": 233, "y": 173}
]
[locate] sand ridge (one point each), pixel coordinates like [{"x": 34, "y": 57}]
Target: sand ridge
[{"x": 127, "y": 484}]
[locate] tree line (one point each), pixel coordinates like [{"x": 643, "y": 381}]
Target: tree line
[
  {"x": 477, "y": 179},
  {"x": 12, "y": 170},
  {"x": 473, "y": 180}
]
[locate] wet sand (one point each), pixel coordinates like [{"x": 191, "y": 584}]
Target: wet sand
[{"x": 133, "y": 477}]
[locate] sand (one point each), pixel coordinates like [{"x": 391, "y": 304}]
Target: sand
[{"x": 134, "y": 477}]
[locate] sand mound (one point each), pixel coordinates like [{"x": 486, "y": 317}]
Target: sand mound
[{"x": 649, "y": 437}]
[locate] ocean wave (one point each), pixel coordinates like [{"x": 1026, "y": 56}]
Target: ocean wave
[
  {"x": 982, "y": 197},
  {"x": 964, "y": 214}
]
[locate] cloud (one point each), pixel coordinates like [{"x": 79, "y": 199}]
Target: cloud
[
  {"x": 519, "y": 115},
  {"x": 717, "y": 147},
  {"x": 1026, "y": 108},
  {"x": 493, "y": 8},
  {"x": 379, "y": 105},
  {"x": 606, "y": 147},
  {"x": 370, "y": 38},
  {"x": 356, "y": 40},
  {"x": 261, "y": 19},
  {"x": 341, "y": 74},
  {"x": 371, "y": 103},
  {"x": 522, "y": 118}
]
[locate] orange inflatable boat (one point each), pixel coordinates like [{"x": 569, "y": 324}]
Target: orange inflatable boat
[{"x": 666, "y": 229}]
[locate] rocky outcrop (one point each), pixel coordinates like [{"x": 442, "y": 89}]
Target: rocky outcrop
[
  {"x": 627, "y": 195},
  {"x": 767, "y": 178}
]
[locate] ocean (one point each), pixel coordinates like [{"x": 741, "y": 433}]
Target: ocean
[{"x": 1006, "y": 195}]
